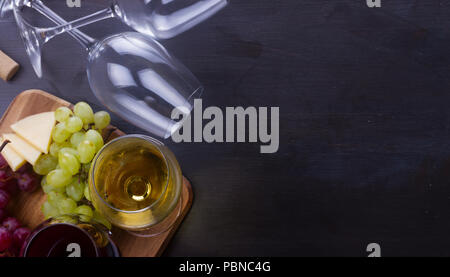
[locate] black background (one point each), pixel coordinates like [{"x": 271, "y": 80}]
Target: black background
[{"x": 364, "y": 100}]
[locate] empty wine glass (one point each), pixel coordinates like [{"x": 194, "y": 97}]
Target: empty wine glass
[
  {"x": 130, "y": 73},
  {"x": 157, "y": 18},
  {"x": 161, "y": 19},
  {"x": 7, "y": 6}
]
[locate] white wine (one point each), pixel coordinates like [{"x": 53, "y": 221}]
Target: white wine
[
  {"x": 132, "y": 176},
  {"x": 135, "y": 182}
]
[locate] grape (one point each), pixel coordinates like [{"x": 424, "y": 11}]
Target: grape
[
  {"x": 6, "y": 174},
  {"x": 101, "y": 120},
  {"x": 10, "y": 186},
  {"x": 68, "y": 162},
  {"x": 4, "y": 198},
  {"x": 86, "y": 150},
  {"x": 60, "y": 133},
  {"x": 87, "y": 193},
  {"x": 85, "y": 210},
  {"x": 62, "y": 114},
  {"x": 74, "y": 124},
  {"x": 54, "y": 149},
  {"x": 76, "y": 138},
  {"x": 67, "y": 206},
  {"x": 27, "y": 182},
  {"x": 3, "y": 162},
  {"x": 45, "y": 164},
  {"x": 67, "y": 219},
  {"x": 11, "y": 224},
  {"x": 100, "y": 219},
  {"x": 96, "y": 138},
  {"x": 71, "y": 151},
  {"x": 2, "y": 214},
  {"x": 5, "y": 239},
  {"x": 47, "y": 188},
  {"x": 75, "y": 190},
  {"x": 3, "y": 184},
  {"x": 49, "y": 210},
  {"x": 54, "y": 198},
  {"x": 84, "y": 112},
  {"x": 7, "y": 181},
  {"x": 20, "y": 235},
  {"x": 58, "y": 178},
  {"x": 24, "y": 168}
]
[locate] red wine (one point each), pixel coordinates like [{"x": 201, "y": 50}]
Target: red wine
[{"x": 67, "y": 240}]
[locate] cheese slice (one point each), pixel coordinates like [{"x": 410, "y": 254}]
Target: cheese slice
[
  {"x": 23, "y": 148},
  {"x": 36, "y": 130},
  {"x": 14, "y": 160}
]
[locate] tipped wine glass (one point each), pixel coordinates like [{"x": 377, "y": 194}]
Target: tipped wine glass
[
  {"x": 8, "y": 6},
  {"x": 160, "y": 19},
  {"x": 157, "y": 18},
  {"x": 130, "y": 73}
]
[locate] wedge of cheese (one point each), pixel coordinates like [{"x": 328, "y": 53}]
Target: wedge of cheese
[
  {"x": 23, "y": 148},
  {"x": 36, "y": 130},
  {"x": 14, "y": 160}
]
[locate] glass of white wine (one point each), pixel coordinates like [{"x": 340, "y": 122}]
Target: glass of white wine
[{"x": 135, "y": 182}]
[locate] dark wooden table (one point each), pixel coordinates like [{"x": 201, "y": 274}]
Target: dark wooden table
[{"x": 364, "y": 97}]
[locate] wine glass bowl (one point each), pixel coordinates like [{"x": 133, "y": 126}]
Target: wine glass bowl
[
  {"x": 163, "y": 20},
  {"x": 136, "y": 78},
  {"x": 135, "y": 182},
  {"x": 56, "y": 236}
]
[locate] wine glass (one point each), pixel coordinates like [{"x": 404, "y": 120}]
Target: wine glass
[
  {"x": 157, "y": 18},
  {"x": 8, "y": 6},
  {"x": 160, "y": 19},
  {"x": 135, "y": 182},
  {"x": 163, "y": 19},
  {"x": 70, "y": 236},
  {"x": 130, "y": 73}
]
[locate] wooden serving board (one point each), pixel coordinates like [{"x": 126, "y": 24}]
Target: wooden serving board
[{"x": 27, "y": 206}]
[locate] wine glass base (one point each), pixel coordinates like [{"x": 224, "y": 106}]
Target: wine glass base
[
  {"x": 32, "y": 41},
  {"x": 164, "y": 225},
  {"x": 5, "y": 7}
]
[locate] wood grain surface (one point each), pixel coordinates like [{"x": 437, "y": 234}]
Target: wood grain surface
[{"x": 27, "y": 206}]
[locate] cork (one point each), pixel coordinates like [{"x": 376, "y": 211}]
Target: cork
[{"x": 8, "y": 67}]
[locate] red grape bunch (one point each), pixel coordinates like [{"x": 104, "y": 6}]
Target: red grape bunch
[{"x": 12, "y": 235}]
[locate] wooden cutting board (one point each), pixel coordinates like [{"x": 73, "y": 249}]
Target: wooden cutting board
[{"x": 27, "y": 206}]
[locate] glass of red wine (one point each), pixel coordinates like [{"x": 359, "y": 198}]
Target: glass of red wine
[{"x": 70, "y": 236}]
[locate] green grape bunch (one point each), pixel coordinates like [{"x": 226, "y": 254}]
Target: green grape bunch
[{"x": 76, "y": 140}]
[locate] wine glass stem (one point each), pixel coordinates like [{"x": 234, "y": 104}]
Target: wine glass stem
[
  {"x": 49, "y": 33},
  {"x": 81, "y": 37}
]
